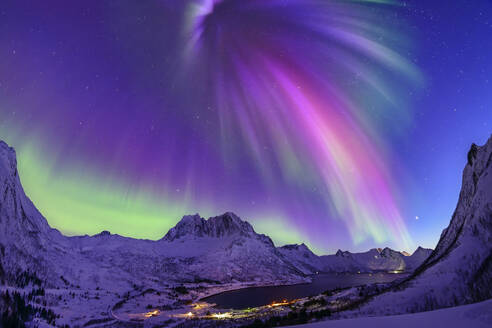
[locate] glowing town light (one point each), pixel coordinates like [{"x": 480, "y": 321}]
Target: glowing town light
[
  {"x": 282, "y": 303},
  {"x": 151, "y": 314},
  {"x": 221, "y": 315},
  {"x": 199, "y": 306}
]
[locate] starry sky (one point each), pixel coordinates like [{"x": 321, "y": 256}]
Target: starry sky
[{"x": 338, "y": 123}]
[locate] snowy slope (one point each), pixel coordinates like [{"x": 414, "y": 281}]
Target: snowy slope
[
  {"x": 302, "y": 258},
  {"x": 478, "y": 315}
]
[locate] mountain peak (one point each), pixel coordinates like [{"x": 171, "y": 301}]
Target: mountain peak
[
  {"x": 295, "y": 246},
  {"x": 103, "y": 233},
  {"x": 387, "y": 251},
  {"x": 218, "y": 226},
  {"x": 421, "y": 252},
  {"x": 191, "y": 219},
  {"x": 475, "y": 149},
  {"x": 343, "y": 253},
  {"x": 8, "y": 161}
]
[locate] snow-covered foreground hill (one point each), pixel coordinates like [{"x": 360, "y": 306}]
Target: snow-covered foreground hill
[{"x": 478, "y": 315}]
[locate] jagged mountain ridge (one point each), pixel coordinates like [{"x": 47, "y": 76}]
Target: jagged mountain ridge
[
  {"x": 459, "y": 270},
  {"x": 215, "y": 227},
  {"x": 375, "y": 259}
]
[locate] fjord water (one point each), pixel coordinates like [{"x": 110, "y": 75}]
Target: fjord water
[{"x": 258, "y": 296}]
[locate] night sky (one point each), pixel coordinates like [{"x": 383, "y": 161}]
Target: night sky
[{"x": 341, "y": 124}]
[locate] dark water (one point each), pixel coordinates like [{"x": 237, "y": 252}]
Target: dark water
[{"x": 258, "y": 296}]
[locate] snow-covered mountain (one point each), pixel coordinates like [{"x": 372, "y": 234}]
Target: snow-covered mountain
[
  {"x": 225, "y": 248},
  {"x": 459, "y": 270},
  {"x": 417, "y": 258},
  {"x": 26, "y": 240},
  {"x": 372, "y": 260},
  {"x": 302, "y": 258},
  {"x": 222, "y": 248}
]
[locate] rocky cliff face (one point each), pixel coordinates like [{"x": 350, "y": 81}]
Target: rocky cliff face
[
  {"x": 25, "y": 236},
  {"x": 224, "y": 225},
  {"x": 18, "y": 216},
  {"x": 459, "y": 270}
]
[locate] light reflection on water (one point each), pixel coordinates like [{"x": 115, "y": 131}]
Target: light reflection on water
[{"x": 259, "y": 296}]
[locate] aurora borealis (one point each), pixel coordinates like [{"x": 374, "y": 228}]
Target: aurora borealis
[{"x": 309, "y": 118}]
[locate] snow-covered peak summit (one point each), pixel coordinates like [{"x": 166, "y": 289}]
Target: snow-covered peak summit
[
  {"x": 341, "y": 253},
  {"x": 298, "y": 247},
  {"x": 229, "y": 223},
  {"x": 388, "y": 252},
  {"x": 301, "y": 257},
  {"x": 103, "y": 233},
  {"x": 420, "y": 250},
  {"x": 223, "y": 225}
]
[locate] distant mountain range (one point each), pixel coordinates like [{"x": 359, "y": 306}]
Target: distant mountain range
[
  {"x": 376, "y": 259},
  {"x": 221, "y": 249}
]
